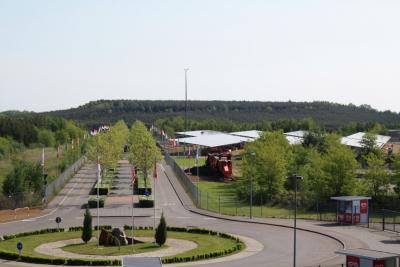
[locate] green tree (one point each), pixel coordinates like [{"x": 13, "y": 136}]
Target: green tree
[
  {"x": 87, "y": 227},
  {"x": 377, "y": 175},
  {"x": 161, "y": 231},
  {"x": 339, "y": 166},
  {"x": 268, "y": 166},
  {"x": 46, "y": 137},
  {"x": 369, "y": 146},
  {"x": 143, "y": 150}
]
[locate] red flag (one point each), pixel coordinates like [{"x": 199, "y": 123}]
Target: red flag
[{"x": 155, "y": 170}]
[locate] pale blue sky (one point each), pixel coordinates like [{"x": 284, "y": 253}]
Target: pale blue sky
[{"x": 59, "y": 54}]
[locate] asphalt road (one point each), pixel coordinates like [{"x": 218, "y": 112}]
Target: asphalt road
[{"x": 312, "y": 249}]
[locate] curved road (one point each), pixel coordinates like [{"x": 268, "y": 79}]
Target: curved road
[{"x": 312, "y": 249}]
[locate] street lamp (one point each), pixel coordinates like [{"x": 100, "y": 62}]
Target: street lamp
[
  {"x": 295, "y": 177},
  {"x": 252, "y": 155}
]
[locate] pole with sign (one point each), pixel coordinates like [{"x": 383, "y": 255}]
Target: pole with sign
[
  {"x": 58, "y": 221},
  {"x": 20, "y": 247}
]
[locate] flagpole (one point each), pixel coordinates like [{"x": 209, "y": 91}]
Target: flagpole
[
  {"x": 133, "y": 219},
  {"x": 98, "y": 201},
  {"x": 154, "y": 201},
  {"x": 198, "y": 177}
]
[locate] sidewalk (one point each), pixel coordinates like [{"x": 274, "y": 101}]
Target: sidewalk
[{"x": 348, "y": 236}]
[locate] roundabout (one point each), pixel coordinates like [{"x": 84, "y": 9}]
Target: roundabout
[{"x": 183, "y": 245}]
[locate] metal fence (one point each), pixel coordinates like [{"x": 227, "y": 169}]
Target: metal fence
[
  {"x": 55, "y": 186},
  {"x": 385, "y": 220},
  {"x": 189, "y": 186},
  {"x": 230, "y": 204}
]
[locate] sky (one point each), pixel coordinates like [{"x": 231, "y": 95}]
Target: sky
[{"x": 61, "y": 54}]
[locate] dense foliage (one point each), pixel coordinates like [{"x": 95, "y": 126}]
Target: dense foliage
[
  {"x": 143, "y": 151},
  {"x": 32, "y": 128},
  {"x": 24, "y": 184},
  {"x": 328, "y": 168},
  {"x": 230, "y": 115}
]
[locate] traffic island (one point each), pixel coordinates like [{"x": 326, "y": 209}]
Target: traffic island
[{"x": 204, "y": 244}]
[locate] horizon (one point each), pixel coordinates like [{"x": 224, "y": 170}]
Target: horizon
[
  {"x": 57, "y": 54},
  {"x": 262, "y": 101}
]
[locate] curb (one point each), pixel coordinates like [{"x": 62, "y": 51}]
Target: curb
[{"x": 247, "y": 221}]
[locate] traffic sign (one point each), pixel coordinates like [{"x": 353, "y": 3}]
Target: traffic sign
[
  {"x": 20, "y": 246},
  {"x": 58, "y": 219}
]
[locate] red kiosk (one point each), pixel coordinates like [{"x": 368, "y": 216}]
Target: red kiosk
[
  {"x": 352, "y": 209},
  {"x": 361, "y": 257}
]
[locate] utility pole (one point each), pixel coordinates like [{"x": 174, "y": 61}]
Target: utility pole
[{"x": 186, "y": 108}]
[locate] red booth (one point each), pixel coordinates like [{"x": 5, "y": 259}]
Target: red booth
[
  {"x": 361, "y": 257},
  {"x": 352, "y": 209}
]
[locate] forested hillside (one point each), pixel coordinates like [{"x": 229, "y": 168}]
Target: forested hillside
[{"x": 328, "y": 115}]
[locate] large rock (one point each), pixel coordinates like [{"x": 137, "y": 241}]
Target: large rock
[
  {"x": 120, "y": 235},
  {"x": 105, "y": 238}
]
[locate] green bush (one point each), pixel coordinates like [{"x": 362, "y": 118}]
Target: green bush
[
  {"x": 161, "y": 231},
  {"x": 87, "y": 227},
  {"x": 92, "y": 202},
  {"x": 105, "y": 227},
  {"x": 146, "y": 202}
]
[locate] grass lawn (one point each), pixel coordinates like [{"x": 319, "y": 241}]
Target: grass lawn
[
  {"x": 91, "y": 249},
  {"x": 33, "y": 155},
  {"x": 206, "y": 244},
  {"x": 189, "y": 162},
  {"x": 220, "y": 197}
]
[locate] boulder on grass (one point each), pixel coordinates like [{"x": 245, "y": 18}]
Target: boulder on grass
[
  {"x": 105, "y": 238},
  {"x": 120, "y": 235}
]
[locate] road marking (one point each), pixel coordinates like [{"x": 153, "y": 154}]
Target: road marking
[
  {"x": 169, "y": 204},
  {"x": 211, "y": 219},
  {"x": 28, "y": 220},
  {"x": 161, "y": 167},
  {"x": 184, "y": 217}
]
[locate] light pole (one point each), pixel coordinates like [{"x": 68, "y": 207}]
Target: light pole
[
  {"x": 295, "y": 177},
  {"x": 186, "y": 107},
  {"x": 252, "y": 155}
]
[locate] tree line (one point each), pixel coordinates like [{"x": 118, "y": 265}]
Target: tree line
[
  {"x": 331, "y": 116},
  {"x": 328, "y": 168}
]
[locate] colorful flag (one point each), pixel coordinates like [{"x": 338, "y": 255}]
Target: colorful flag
[{"x": 155, "y": 170}]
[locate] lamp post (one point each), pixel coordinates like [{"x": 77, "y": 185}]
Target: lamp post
[
  {"x": 295, "y": 177},
  {"x": 252, "y": 155},
  {"x": 186, "y": 107}
]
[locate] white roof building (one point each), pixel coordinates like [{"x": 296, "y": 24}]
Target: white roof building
[
  {"x": 354, "y": 140},
  {"x": 250, "y": 134}
]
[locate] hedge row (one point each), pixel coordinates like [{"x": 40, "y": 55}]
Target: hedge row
[
  {"x": 129, "y": 227},
  {"x": 92, "y": 202},
  {"x": 58, "y": 261},
  {"x": 205, "y": 256},
  {"x": 146, "y": 202},
  {"x": 37, "y": 232}
]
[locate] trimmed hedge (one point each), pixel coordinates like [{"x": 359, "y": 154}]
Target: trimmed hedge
[
  {"x": 146, "y": 202},
  {"x": 92, "y": 202},
  {"x": 105, "y": 227},
  {"x": 37, "y": 232}
]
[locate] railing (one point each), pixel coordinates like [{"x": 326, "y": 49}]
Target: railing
[
  {"x": 385, "y": 220},
  {"x": 188, "y": 185},
  {"x": 55, "y": 186}
]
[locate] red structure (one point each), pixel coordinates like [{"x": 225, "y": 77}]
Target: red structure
[
  {"x": 369, "y": 258},
  {"x": 220, "y": 163},
  {"x": 352, "y": 209}
]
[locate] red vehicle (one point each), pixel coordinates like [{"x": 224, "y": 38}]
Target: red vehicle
[{"x": 220, "y": 163}]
